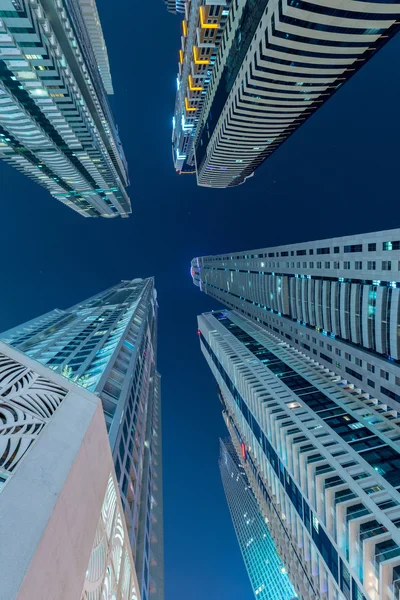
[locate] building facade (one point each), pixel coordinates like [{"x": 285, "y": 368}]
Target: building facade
[
  {"x": 175, "y": 6},
  {"x": 267, "y": 573},
  {"x": 202, "y": 30},
  {"x": 59, "y": 498},
  {"x": 335, "y": 300},
  {"x": 275, "y": 65},
  {"x": 107, "y": 344},
  {"x": 322, "y": 457},
  {"x": 56, "y": 124}
]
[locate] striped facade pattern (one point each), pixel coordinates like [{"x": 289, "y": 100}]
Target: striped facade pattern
[
  {"x": 56, "y": 124},
  {"x": 322, "y": 458},
  {"x": 175, "y": 6},
  {"x": 344, "y": 293},
  {"x": 92, "y": 20},
  {"x": 285, "y": 59}
]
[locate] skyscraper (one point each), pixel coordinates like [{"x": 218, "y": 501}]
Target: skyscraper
[
  {"x": 335, "y": 300},
  {"x": 56, "y": 124},
  {"x": 107, "y": 344},
  {"x": 267, "y": 573},
  {"x": 272, "y": 68},
  {"x": 63, "y": 533},
  {"x": 323, "y": 460},
  {"x": 201, "y": 38}
]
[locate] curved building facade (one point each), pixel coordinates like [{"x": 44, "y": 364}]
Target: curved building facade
[
  {"x": 336, "y": 300},
  {"x": 275, "y": 64},
  {"x": 56, "y": 124}
]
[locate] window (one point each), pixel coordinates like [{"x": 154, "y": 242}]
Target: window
[
  {"x": 329, "y": 347},
  {"x": 370, "y": 368},
  {"x": 346, "y": 264},
  {"x": 323, "y": 250},
  {"x": 358, "y": 361},
  {"x": 353, "y": 248},
  {"x": 358, "y": 265},
  {"x": 327, "y": 265},
  {"x": 397, "y": 380},
  {"x": 386, "y": 265},
  {"x": 336, "y": 264},
  {"x": 336, "y": 250},
  {"x": 321, "y": 343},
  {"x": 338, "y": 352},
  {"x": 325, "y": 357},
  {"x": 319, "y": 265},
  {"x": 311, "y": 251},
  {"x": 301, "y": 252},
  {"x": 304, "y": 265},
  {"x": 311, "y": 265},
  {"x": 354, "y": 373},
  {"x": 371, "y": 383},
  {"x": 385, "y": 375},
  {"x": 391, "y": 245},
  {"x": 371, "y": 265},
  {"x": 347, "y": 356},
  {"x": 298, "y": 265},
  {"x": 371, "y": 247}
]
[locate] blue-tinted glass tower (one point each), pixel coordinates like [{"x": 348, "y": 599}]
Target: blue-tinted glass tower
[{"x": 267, "y": 573}]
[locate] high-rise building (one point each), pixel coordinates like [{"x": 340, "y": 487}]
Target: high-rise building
[
  {"x": 175, "y": 6},
  {"x": 322, "y": 457},
  {"x": 56, "y": 124},
  {"x": 201, "y": 38},
  {"x": 107, "y": 344},
  {"x": 273, "y": 67},
  {"x": 267, "y": 573},
  {"x": 335, "y": 300},
  {"x": 63, "y": 531}
]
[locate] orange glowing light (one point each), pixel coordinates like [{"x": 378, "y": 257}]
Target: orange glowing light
[
  {"x": 197, "y": 60},
  {"x": 192, "y": 87},
  {"x": 206, "y": 25},
  {"x": 188, "y": 108}
]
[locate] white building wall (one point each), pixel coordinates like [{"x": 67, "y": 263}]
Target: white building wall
[{"x": 55, "y": 497}]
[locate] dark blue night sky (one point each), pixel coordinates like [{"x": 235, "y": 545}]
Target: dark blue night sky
[{"x": 337, "y": 175}]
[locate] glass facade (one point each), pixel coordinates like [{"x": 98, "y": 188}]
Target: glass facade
[
  {"x": 267, "y": 573},
  {"x": 56, "y": 124}
]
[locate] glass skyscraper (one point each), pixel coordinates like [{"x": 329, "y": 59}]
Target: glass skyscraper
[
  {"x": 336, "y": 301},
  {"x": 267, "y": 573},
  {"x": 323, "y": 459},
  {"x": 107, "y": 344},
  {"x": 56, "y": 124}
]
